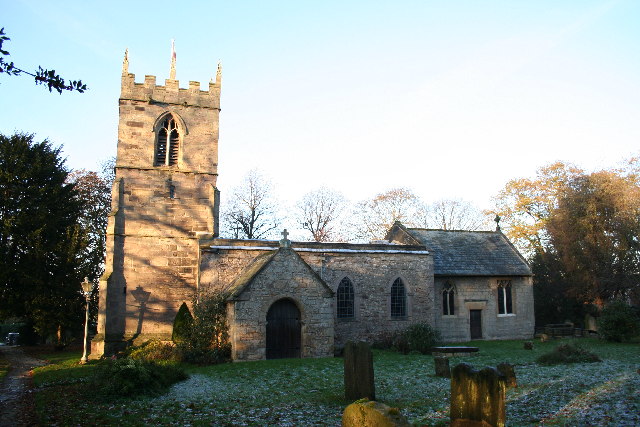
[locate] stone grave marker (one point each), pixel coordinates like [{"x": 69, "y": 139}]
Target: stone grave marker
[
  {"x": 509, "y": 373},
  {"x": 477, "y": 397},
  {"x": 358, "y": 371},
  {"x": 442, "y": 366},
  {"x": 372, "y": 414}
]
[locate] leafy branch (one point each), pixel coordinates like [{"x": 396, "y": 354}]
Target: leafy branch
[{"x": 42, "y": 76}]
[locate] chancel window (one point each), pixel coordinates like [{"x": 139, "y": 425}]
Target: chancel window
[
  {"x": 345, "y": 299},
  {"x": 448, "y": 297},
  {"x": 505, "y": 305},
  {"x": 168, "y": 143},
  {"x": 398, "y": 299}
]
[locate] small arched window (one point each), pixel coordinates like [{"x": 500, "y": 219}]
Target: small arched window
[
  {"x": 398, "y": 299},
  {"x": 345, "y": 299},
  {"x": 167, "y": 143},
  {"x": 505, "y": 305},
  {"x": 448, "y": 298}
]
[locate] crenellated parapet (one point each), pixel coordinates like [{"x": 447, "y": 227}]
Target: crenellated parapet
[{"x": 170, "y": 93}]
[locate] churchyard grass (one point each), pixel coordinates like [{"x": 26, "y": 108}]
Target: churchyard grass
[
  {"x": 310, "y": 391},
  {"x": 4, "y": 367}
]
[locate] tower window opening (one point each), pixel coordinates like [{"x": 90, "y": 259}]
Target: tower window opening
[{"x": 168, "y": 141}]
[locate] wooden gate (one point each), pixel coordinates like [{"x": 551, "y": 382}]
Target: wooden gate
[
  {"x": 475, "y": 323},
  {"x": 283, "y": 330}
]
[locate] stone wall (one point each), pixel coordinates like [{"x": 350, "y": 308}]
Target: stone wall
[
  {"x": 371, "y": 268},
  {"x": 285, "y": 276},
  {"x": 480, "y": 293},
  {"x": 158, "y": 212}
]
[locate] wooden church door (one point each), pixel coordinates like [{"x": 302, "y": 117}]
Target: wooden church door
[
  {"x": 475, "y": 323},
  {"x": 283, "y": 330}
]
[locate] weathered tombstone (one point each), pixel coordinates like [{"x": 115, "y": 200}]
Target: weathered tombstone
[
  {"x": 477, "y": 397},
  {"x": 372, "y": 414},
  {"x": 442, "y": 366},
  {"x": 358, "y": 372},
  {"x": 528, "y": 345},
  {"x": 509, "y": 373},
  {"x": 544, "y": 337}
]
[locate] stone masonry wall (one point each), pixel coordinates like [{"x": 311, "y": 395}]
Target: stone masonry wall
[
  {"x": 157, "y": 211},
  {"x": 372, "y": 274},
  {"x": 285, "y": 276},
  {"x": 481, "y": 293}
]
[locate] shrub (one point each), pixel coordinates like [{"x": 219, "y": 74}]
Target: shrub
[
  {"x": 420, "y": 337},
  {"x": 128, "y": 377},
  {"x": 567, "y": 353},
  {"x": 156, "y": 351},
  {"x": 618, "y": 322},
  {"x": 207, "y": 340},
  {"x": 182, "y": 324}
]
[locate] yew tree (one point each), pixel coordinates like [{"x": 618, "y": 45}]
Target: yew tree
[{"x": 39, "y": 236}]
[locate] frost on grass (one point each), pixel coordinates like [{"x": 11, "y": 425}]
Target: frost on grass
[{"x": 311, "y": 392}]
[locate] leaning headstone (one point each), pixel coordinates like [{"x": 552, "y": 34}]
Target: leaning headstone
[
  {"x": 477, "y": 397},
  {"x": 372, "y": 414},
  {"x": 358, "y": 372},
  {"x": 528, "y": 345},
  {"x": 442, "y": 366},
  {"x": 509, "y": 373}
]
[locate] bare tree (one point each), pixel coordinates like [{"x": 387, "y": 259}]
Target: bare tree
[
  {"x": 252, "y": 211},
  {"x": 374, "y": 217},
  {"x": 456, "y": 214},
  {"x": 319, "y": 213}
]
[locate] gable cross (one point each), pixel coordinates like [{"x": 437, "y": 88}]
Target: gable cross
[{"x": 285, "y": 242}]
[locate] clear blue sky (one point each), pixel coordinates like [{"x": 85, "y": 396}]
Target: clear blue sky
[{"x": 449, "y": 98}]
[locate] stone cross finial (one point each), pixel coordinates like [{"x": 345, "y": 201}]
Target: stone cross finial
[
  {"x": 172, "y": 72},
  {"x": 219, "y": 72},
  {"x": 125, "y": 63},
  {"x": 497, "y": 220},
  {"x": 285, "y": 243}
]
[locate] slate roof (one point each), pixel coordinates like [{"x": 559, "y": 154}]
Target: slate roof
[{"x": 471, "y": 253}]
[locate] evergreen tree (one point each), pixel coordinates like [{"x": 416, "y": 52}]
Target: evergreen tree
[{"x": 39, "y": 236}]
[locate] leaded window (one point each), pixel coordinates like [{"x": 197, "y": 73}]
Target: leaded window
[
  {"x": 345, "y": 299},
  {"x": 505, "y": 305},
  {"x": 398, "y": 299},
  {"x": 448, "y": 297},
  {"x": 168, "y": 143}
]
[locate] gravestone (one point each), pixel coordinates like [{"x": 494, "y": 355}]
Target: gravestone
[
  {"x": 372, "y": 414},
  {"x": 442, "y": 366},
  {"x": 528, "y": 345},
  {"x": 477, "y": 397},
  {"x": 509, "y": 373},
  {"x": 358, "y": 371},
  {"x": 544, "y": 337}
]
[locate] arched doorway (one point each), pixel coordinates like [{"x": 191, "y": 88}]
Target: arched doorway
[{"x": 283, "y": 330}]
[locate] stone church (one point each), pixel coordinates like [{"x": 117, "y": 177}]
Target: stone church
[{"x": 285, "y": 299}]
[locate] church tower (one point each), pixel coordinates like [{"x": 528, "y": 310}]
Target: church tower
[{"x": 164, "y": 199}]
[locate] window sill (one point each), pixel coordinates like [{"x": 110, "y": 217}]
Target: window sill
[
  {"x": 449, "y": 316},
  {"x": 346, "y": 319},
  {"x": 399, "y": 318},
  {"x": 507, "y": 315}
]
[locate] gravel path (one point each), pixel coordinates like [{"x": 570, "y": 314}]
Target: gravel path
[{"x": 16, "y": 387}]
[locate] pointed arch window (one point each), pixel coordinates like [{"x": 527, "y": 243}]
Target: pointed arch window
[
  {"x": 505, "y": 305},
  {"x": 448, "y": 299},
  {"x": 398, "y": 299},
  {"x": 345, "y": 299},
  {"x": 167, "y": 142}
]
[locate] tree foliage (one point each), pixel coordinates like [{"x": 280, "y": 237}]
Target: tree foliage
[
  {"x": 595, "y": 232},
  {"x": 319, "y": 213},
  {"x": 580, "y": 231},
  {"x": 455, "y": 214},
  {"x": 376, "y": 216},
  {"x": 251, "y": 211},
  {"x": 40, "y": 236},
  {"x": 618, "y": 322},
  {"x": 42, "y": 76}
]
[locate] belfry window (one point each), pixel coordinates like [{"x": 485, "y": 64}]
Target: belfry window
[
  {"x": 167, "y": 143},
  {"x": 398, "y": 299},
  {"x": 505, "y": 305},
  {"x": 345, "y": 299},
  {"x": 448, "y": 298}
]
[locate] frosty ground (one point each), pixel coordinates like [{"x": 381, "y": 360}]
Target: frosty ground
[{"x": 298, "y": 392}]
